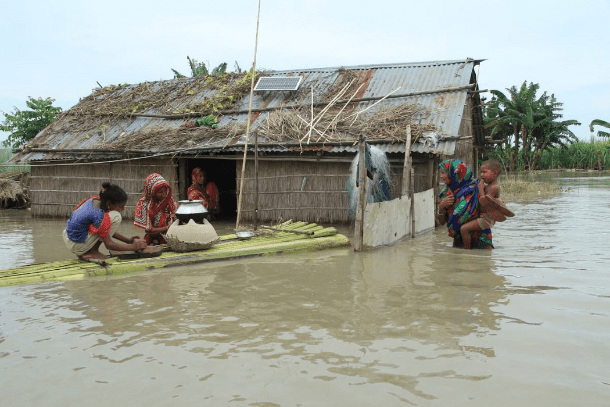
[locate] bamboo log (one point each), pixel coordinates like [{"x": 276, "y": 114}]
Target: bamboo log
[
  {"x": 304, "y": 232},
  {"x": 322, "y": 238}
]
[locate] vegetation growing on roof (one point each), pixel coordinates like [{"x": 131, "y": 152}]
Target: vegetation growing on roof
[{"x": 202, "y": 69}]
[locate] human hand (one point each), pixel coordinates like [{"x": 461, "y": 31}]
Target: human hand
[
  {"x": 139, "y": 244},
  {"x": 447, "y": 202},
  {"x": 134, "y": 238}
]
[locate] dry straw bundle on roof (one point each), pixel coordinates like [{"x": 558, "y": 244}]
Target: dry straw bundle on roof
[{"x": 383, "y": 124}]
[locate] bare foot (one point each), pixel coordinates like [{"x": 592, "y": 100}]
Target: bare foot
[{"x": 93, "y": 255}]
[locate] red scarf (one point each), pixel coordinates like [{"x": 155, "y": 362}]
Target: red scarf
[{"x": 151, "y": 214}]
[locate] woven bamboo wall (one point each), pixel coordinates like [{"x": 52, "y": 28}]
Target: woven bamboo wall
[
  {"x": 56, "y": 189},
  {"x": 305, "y": 191},
  {"x": 308, "y": 191},
  {"x": 422, "y": 177}
]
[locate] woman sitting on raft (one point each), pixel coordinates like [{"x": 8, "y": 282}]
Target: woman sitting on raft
[
  {"x": 203, "y": 190},
  {"x": 96, "y": 220},
  {"x": 459, "y": 203},
  {"x": 156, "y": 210}
]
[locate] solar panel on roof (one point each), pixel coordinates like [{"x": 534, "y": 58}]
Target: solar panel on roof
[{"x": 278, "y": 83}]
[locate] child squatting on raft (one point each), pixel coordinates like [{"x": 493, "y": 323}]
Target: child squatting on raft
[
  {"x": 96, "y": 220},
  {"x": 492, "y": 209}
]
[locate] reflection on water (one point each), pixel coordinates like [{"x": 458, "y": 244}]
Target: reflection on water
[{"x": 417, "y": 323}]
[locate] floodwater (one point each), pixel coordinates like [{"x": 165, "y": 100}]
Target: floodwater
[{"x": 419, "y": 323}]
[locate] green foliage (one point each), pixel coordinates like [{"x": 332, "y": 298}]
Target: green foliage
[
  {"x": 602, "y": 123},
  {"x": 580, "y": 155},
  {"x": 208, "y": 120},
  {"x": 201, "y": 69},
  {"x": 25, "y": 124},
  {"x": 524, "y": 125}
]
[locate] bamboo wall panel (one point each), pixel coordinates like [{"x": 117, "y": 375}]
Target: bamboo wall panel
[
  {"x": 56, "y": 189},
  {"x": 307, "y": 191},
  {"x": 421, "y": 178}
]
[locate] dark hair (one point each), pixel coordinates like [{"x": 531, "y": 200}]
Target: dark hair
[
  {"x": 494, "y": 164},
  {"x": 111, "y": 193}
]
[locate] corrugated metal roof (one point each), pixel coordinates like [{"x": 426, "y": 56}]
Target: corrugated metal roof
[{"x": 424, "y": 83}]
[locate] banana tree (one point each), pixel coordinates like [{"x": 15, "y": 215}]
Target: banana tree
[{"x": 601, "y": 123}]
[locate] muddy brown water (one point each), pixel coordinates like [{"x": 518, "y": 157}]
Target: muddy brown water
[{"x": 418, "y": 323}]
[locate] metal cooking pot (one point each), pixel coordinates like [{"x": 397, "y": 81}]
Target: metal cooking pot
[{"x": 191, "y": 209}]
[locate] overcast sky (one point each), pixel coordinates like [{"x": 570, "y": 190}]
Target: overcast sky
[{"x": 63, "y": 48}]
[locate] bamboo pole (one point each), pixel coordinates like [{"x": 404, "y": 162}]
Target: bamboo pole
[
  {"x": 430, "y": 180},
  {"x": 412, "y": 197},
  {"x": 361, "y": 205},
  {"x": 243, "y": 165},
  {"x": 406, "y": 170},
  {"x": 436, "y": 187},
  {"x": 302, "y": 232}
]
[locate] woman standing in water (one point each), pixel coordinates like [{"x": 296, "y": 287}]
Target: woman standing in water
[{"x": 459, "y": 203}]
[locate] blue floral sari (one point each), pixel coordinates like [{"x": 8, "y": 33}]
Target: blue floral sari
[{"x": 465, "y": 208}]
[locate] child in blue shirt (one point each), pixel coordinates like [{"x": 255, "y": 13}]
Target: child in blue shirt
[{"x": 95, "y": 221}]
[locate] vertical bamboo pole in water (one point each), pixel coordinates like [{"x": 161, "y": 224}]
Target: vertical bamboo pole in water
[{"x": 361, "y": 180}]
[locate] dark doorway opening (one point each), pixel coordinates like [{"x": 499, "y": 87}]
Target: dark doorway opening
[{"x": 223, "y": 174}]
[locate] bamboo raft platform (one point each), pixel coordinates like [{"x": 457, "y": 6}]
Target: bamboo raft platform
[{"x": 228, "y": 247}]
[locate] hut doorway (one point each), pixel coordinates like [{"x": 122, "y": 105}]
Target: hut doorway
[{"x": 222, "y": 173}]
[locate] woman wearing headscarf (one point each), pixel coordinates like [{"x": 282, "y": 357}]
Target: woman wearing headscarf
[
  {"x": 459, "y": 203},
  {"x": 155, "y": 211},
  {"x": 204, "y": 191}
]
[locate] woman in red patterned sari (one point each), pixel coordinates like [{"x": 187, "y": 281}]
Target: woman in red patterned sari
[
  {"x": 155, "y": 211},
  {"x": 204, "y": 191}
]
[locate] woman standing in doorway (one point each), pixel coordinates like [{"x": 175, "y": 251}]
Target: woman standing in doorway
[{"x": 203, "y": 190}]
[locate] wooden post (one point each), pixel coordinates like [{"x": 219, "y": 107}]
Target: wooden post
[
  {"x": 436, "y": 182},
  {"x": 361, "y": 205},
  {"x": 406, "y": 171},
  {"x": 412, "y": 197},
  {"x": 475, "y": 169},
  {"x": 182, "y": 180},
  {"x": 431, "y": 178}
]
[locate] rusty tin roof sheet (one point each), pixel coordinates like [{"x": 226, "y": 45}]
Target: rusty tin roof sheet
[{"x": 439, "y": 86}]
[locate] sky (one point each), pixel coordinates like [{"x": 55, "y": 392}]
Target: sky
[{"x": 63, "y": 49}]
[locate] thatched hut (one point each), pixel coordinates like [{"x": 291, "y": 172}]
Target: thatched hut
[{"x": 305, "y": 137}]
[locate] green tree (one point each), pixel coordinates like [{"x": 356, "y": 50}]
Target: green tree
[
  {"x": 201, "y": 69},
  {"x": 23, "y": 125},
  {"x": 531, "y": 123},
  {"x": 601, "y": 123}
]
